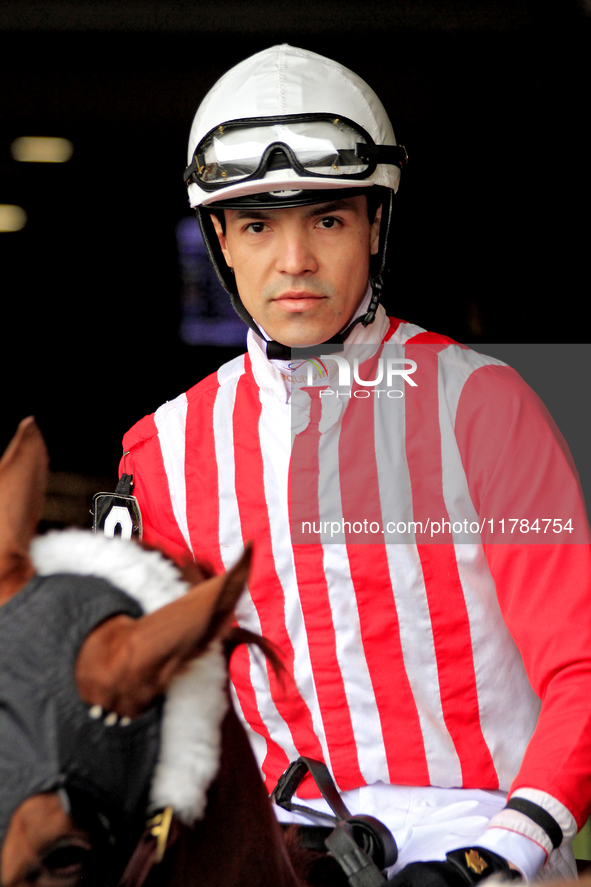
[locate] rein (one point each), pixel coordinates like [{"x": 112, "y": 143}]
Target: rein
[{"x": 362, "y": 845}]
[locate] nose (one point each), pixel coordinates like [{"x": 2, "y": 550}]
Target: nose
[{"x": 296, "y": 254}]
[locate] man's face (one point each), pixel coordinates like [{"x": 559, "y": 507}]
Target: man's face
[{"x": 301, "y": 272}]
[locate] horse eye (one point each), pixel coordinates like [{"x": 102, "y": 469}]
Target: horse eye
[{"x": 65, "y": 862}]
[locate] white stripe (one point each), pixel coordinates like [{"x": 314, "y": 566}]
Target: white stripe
[
  {"x": 404, "y": 332},
  {"x": 171, "y": 420},
  {"x": 390, "y": 453},
  {"x": 499, "y": 670},
  {"x": 450, "y": 370},
  {"x": 279, "y": 731},
  {"x": 358, "y": 687},
  {"x": 329, "y": 486},
  {"x": 232, "y": 545},
  {"x": 357, "y": 683},
  {"x": 230, "y": 530},
  {"x": 231, "y": 370},
  {"x": 416, "y": 634},
  {"x": 275, "y": 439},
  {"x": 459, "y": 364}
]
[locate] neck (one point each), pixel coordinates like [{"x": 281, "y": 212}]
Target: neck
[{"x": 239, "y": 841}]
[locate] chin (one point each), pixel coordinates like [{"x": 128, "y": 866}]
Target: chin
[
  {"x": 303, "y": 342},
  {"x": 303, "y": 338}
]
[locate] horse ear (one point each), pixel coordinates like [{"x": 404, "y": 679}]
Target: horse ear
[
  {"x": 232, "y": 585},
  {"x": 23, "y": 480},
  {"x": 125, "y": 663}
]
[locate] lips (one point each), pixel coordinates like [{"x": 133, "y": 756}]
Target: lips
[
  {"x": 298, "y": 301},
  {"x": 296, "y": 295}
]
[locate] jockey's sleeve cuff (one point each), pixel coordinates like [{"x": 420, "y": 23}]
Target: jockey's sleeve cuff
[
  {"x": 547, "y": 812},
  {"x": 523, "y": 852},
  {"x": 533, "y": 816},
  {"x": 539, "y": 816}
]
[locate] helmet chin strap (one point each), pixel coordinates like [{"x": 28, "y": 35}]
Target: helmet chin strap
[{"x": 278, "y": 351}]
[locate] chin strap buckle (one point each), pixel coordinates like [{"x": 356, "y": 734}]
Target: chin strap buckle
[{"x": 377, "y": 286}]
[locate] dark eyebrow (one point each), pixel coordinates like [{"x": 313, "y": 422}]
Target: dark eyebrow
[
  {"x": 317, "y": 209},
  {"x": 258, "y": 215},
  {"x": 323, "y": 209}
]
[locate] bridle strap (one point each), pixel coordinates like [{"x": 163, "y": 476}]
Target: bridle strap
[
  {"x": 357, "y": 864},
  {"x": 160, "y": 832},
  {"x": 289, "y": 783}
]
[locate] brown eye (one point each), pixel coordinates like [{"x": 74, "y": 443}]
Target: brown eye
[{"x": 64, "y": 864}]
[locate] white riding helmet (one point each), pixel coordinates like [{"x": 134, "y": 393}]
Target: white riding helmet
[
  {"x": 279, "y": 130},
  {"x": 322, "y": 112}
]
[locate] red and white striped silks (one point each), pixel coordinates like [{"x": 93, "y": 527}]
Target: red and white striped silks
[{"x": 421, "y": 662}]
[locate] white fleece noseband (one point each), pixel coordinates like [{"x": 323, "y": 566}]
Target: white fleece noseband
[{"x": 196, "y": 701}]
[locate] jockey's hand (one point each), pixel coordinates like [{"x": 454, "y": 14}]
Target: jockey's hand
[{"x": 464, "y": 867}]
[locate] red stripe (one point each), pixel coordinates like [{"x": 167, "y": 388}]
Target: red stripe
[
  {"x": 160, "y": 528},
  {"x": 265, "y": 588},
  {"x": 360, "y": 495},
  {"x": 316, "y": 609},
  {"x": 203, "y": 519},
  {"x": 449, "y": 616},
  {"x": 394, "y": 324},
  {"x": 428, "y": 338},
  {"x": 203, "y": 515},
  {"x": 276, "y": 761}
]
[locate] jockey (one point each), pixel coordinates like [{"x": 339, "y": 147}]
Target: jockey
[{"x": 437, "y": 661}]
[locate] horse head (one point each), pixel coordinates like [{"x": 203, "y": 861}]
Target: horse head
[{"x": 113, "y": 689}]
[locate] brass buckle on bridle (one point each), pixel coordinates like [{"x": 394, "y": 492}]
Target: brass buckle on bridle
[{"x": 159, "y": 827}]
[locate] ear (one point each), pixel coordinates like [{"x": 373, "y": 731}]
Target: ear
[
  {"x": 125, "y": 663},
  {"x": 221, "y": 234},
  {"x": 374, "y": 233},
  {"x": 23, "y": 480}
]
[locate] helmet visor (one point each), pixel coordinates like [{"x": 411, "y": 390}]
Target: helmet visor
[{"x": 312, "y": 145}]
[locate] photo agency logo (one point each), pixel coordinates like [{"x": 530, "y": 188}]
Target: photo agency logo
[{"x": 388, "y": 372}]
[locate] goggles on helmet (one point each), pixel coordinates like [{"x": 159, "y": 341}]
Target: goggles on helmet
[{"x": 313, "y": 145}]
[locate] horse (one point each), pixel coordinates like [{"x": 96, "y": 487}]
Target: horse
[{"x": 114, "y": 707}]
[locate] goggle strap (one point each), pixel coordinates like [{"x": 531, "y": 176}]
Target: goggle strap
[
  {"x": 393, "y": 154},
  {"x": 190, "y": 172}
]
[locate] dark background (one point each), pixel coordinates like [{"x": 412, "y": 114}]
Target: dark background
[{"x": 491, "y": 241}]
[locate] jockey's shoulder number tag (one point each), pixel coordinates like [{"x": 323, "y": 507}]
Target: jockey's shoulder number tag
[{"x": 118, "y": 513}]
